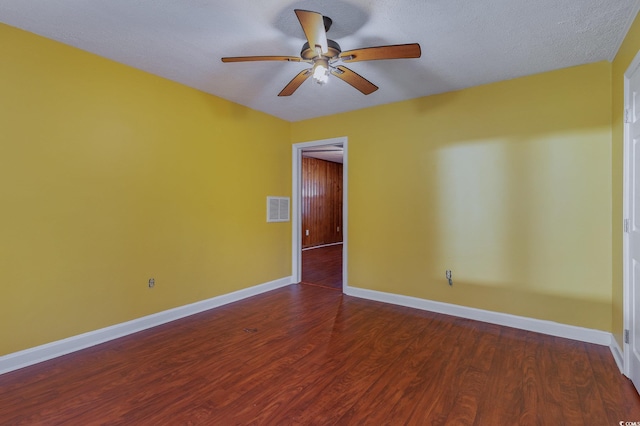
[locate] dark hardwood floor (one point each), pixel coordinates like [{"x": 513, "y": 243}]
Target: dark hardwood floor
[
  {"x": 322, "y": 266},
  {"x": 308, "y": 355}
]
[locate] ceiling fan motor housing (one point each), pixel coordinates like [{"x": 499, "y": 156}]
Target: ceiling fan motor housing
[{"x": 309, "y": 53}]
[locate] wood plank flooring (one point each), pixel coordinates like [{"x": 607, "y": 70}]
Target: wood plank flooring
[
  {"x": 323, "y": 266},
  {"x": 309, "y": 355}
]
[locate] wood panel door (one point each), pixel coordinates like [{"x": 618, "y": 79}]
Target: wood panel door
[{"x": 321, "y": 202}]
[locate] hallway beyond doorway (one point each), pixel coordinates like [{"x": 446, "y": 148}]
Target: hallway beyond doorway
[{"x": 322, "y": 266}]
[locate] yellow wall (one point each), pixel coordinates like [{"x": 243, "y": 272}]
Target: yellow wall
[
  {"x": 110, "y": 176},
  {"x": 508, "y": 184},
  {"x": 625, "y": 55}
]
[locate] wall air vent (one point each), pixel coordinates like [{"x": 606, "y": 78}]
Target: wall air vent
[{"x": 277, "y": 209}]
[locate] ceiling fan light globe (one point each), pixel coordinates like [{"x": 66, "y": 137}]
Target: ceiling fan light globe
[{"x": 320, "y": 73}]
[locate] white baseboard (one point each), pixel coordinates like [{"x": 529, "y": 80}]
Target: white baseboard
[
  {"x": 616, "y": 351},
  {"x": 530, "y": 324},
  {"x": 17, "y": 360},
  {"x": 58, "y": 348}
]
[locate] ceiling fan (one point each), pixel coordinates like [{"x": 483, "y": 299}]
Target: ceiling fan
[{"x": 323, "y": 54}]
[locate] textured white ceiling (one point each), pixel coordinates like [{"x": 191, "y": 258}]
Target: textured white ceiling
[{"x": 464, "y": 43}]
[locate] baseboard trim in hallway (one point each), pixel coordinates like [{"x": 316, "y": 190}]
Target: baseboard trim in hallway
[
  {"x": 324, "y": 245},
  {"x": 321, "y": 286}
]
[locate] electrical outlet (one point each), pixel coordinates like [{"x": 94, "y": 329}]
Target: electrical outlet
[
  {"x": 447, "y": 275},
  {"x": 152, "y": 282}
]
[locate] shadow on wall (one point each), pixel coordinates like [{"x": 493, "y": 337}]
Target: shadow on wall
[
  {"x": 530, "y": 216},
  {"x": 507, "y": 185}
]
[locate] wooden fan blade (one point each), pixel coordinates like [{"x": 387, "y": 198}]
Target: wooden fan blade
[
  {"x": 354, "y": 79},
  {"x": 313, "y": 26},
  {"x": 295, "y": 83},
  {"x": 397, "y": 51},
  {"x": 261, "y": 58}
]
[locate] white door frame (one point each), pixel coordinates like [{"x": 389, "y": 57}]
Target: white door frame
[
  {"x": 296, "y": 197},
  {"x": 626, "y": 208}
]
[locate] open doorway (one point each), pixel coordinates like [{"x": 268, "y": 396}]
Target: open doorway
[
  {"x": 319, "y": 213},
  {"x": 321, "y": 216}
]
